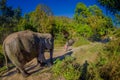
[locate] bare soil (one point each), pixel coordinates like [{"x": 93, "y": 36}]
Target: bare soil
[{"x": 43, "y": 73}]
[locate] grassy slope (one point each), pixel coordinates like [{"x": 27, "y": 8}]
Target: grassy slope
[{"x": 86, "y": 52}]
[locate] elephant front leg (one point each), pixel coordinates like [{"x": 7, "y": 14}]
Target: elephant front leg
[
  {"x": 42, "y": 64},
  {"x": 41, "y": 58},
  {"x": 51, "y": 56}
]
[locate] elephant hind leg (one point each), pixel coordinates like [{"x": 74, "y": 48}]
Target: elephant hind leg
[
  {"x": 23, "y": 72},
  {"x": 20, "y": 68},
  {"x": 18, "y": 71}
]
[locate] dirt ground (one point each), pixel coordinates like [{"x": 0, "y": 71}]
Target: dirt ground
[{"x": 43, "y": 73}]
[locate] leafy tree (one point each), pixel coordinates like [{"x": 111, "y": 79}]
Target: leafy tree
[
  {"x": 24, "y": 25},
  {"x": 94, "y": 18},
  {"x": 9, "y": 19},
  {"x": 9, "y": 16},
  {"x": 112, "y": 5},
  {"x": 17, "y": 13},
  {"x": 95, "y": 10},
  {"x": 84, "y": 30},
  {"x": 117, "y": 20},
  {"x": 46, "y": 9},
  {"x": 62, "y": 24},
  {"x": 3, "y": 7},
  {"x": 81, "y": 12},
  {"x": 40, "y": 20}
]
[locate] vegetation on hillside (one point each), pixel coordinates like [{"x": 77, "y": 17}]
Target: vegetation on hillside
[{"x": 88, "y": 24}]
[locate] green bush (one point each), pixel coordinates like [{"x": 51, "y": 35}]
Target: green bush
[
  {"x": 1, "y": 56},
  {"x": 67, "y": 69},
  {"x": 1, "y": 59},
  {"x": 80, "y": 41},
  {"x": 59, "y": 41},
  {"x": 93, "y": 73},
  {"x": 4, "y": 68},
  {"x": 84, "y": 30},
  {"x": 113, "y": 46},
  {"x": 111, "y": 69},
  {"x": 108, "y": 65}
]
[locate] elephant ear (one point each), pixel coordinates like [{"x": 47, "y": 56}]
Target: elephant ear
[{"x": 48, "y": 43}]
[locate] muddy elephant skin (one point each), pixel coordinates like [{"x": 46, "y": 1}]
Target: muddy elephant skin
[{"x": 21, "y": 47}]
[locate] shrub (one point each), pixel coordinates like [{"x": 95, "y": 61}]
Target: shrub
[
  {"x": 108, "y": 65},
  {"x": 113, "y": 46},
  {"x": 1, "y": 60},
  {"x": 67, "y": 69},
  {"x": 93, "y": 73},
  {"x": 1, "y": 57},
  {"x": 80, "y": 41},
  {"x": 84, "y": 30},
  {"x": 111, "y": 70},
  {"x": 59, "y": 40}
]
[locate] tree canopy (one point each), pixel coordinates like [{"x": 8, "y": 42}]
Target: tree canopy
[
  {"x": 91, "y": 18},
  {"x": 112, "y": 5},
  {"x": 88, "y": 21}
]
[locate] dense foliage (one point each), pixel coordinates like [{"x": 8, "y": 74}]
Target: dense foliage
[
  {"x": 112, "y": 5},
  {"x": 9, "y": 18},
  {"x": 108, "y": 65},
  {"x": 66, "y": 69},
  {"x": 88, "y": 23},
  {"x": 93, "y": 21}
]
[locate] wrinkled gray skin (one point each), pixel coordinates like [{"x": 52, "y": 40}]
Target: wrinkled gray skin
[{"x": 21, "y": 47}]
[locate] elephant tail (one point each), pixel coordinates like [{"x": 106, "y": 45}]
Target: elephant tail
[{"x": 5, "y": 55}]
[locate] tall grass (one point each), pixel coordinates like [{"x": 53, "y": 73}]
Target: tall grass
[
  {"x": 66, "y": 69},
  {"x": 106, "y": 67},
  {"x": 59, "y": 41},
  {"x": 1, "y": 56},
  {"x": 108, "y": 64},
  {"x": 80, "y": 41}
]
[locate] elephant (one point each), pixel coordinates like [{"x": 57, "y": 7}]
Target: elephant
[{"x": 21, "y": 47}]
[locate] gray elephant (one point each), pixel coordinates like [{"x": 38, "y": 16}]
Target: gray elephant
[{"x": 21, "y": 47}]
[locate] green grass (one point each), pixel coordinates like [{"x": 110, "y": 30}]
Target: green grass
[
  {"x": 59, "y": 43},
  {"x": 66, "y": 69},
  {"x": 3, "y": 68},
  {"x": 80, "y": 41},
  {"x": 88, "y": 52},
  {"x": 1, "y": 56},
  {"x": 1, "y": 49}
]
